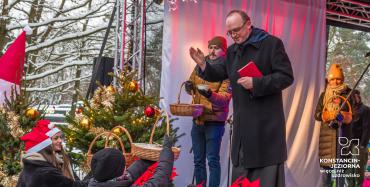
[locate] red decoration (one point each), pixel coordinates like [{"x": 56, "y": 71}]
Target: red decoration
[
  {"x": 201, "y": 184},
  {"x": 243, "y": 181},
  {"x": 79, "y": 110},
  {"x": 149, "y": 173},
  {"x": 149, "y": 111}
]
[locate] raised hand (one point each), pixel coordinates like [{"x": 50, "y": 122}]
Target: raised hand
[{"x": 198, "y": 56}]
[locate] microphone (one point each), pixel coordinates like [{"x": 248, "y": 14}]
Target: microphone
[{"x": 367, "y": 54}]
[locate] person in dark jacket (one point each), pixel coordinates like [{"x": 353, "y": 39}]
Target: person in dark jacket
[
  {"x": 259, "y": 149},
  {"x": 360, "y": 131},
  {"x": 208, "y": 128},
  {"x": 40, "y": 166},
  {"x": 107, "y": 167},
  {"x": 326, "y": 110}
]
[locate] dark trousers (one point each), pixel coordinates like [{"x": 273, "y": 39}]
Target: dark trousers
[
  {"x": 206, "y": 140},
  {"x": 269, "y": 176}
]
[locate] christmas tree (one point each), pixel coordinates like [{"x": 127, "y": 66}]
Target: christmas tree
[
  {"x": 16, "y": 118},
  {"x": 124, "y": 105}
]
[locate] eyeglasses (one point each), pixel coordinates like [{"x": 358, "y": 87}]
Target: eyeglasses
[{"x": 236, "y": 30}]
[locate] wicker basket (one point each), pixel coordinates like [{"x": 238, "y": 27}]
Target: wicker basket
[
  {"x": 150, "y": 151},
  {"x": 332, "y": 114},
  {"x": 107, "y": 134},
  {"x": 183, "y": 109},
  {"x": 129, "y": 158}
]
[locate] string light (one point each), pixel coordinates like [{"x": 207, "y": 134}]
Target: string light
[{"x": 173, "y": 3}]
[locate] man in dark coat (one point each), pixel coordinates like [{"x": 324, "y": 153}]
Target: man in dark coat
[
  {"x": 107, "y": 167},
  {"x": 259, "y": 148}
]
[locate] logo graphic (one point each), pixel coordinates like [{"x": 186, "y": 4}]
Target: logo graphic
[{"x": 345, "y": 144}]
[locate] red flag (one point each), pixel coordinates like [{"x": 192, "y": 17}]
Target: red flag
[{"x": 11, "y": 65}]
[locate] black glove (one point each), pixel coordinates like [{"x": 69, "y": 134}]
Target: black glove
[
  {"x": 205, "y": 93},
  {"x": 168, "y": 141},
  {"x": 339, "y": 118},
  {"x": 334, "y": 125},
  {"x": 189, "y": 87}
]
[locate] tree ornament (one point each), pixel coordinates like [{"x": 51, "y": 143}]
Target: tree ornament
[
  {"x": 149, "y": 111},
  {"x": 79, "y": 110},
  {"x": 70, "y": 140},
  {"x": 117, "y": 131},
  {"x": 85, "y": 123},
  {"x": 111, "y": 89},
  {"x": 32, "y": 113},
  {"x": 133, "y": 86}
]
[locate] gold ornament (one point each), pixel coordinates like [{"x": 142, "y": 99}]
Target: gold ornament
[
  {"x": 32, "y": 113},
  {"x": 111, "y": 89},
  {"x": 70, "y": 140},
  {"x": 133, "y": 86},
  {"x": 85, "y": 123},
  {"x": 117, "y": 131}
]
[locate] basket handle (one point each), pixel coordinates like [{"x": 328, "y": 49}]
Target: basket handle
[
  {"x": 155, "y": 125},
  {"x": 341, "y": 97},
  {"x": 178, "y": 95},
  {"x": 126, "y": 132},
  {"x": 108, "y": 134}
]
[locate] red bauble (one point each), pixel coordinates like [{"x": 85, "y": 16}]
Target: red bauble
[
  {"x": 79, "y": 110},
  {"x": 149, "y": 111}
]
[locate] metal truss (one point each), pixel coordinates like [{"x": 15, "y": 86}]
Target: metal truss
[
  {"x": 349, "y": 12},
  {"x": 130, "y": 36}
]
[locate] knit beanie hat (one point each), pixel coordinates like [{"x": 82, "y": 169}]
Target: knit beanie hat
[
  {"x": 219, "y": 41},
  {"x": 107, "y": 164},
  {"x": 335, "y": 72}
]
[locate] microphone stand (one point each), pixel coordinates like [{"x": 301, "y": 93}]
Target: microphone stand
[{"x": 230, "y": 122}]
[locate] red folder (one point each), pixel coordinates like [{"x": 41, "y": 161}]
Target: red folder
[{"x": 250, "y": 70}]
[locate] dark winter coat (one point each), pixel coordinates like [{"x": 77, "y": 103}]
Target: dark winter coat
[
  {"x": 328, "y": 140},
  {"x": 361, "y": 124},
  {"x": 37, "y": 172},
  {"x": 259, "y": 123},
  {"x": 160, "y": 177}
]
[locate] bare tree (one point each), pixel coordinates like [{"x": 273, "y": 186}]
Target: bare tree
[{"x": 67, "y": 35}]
